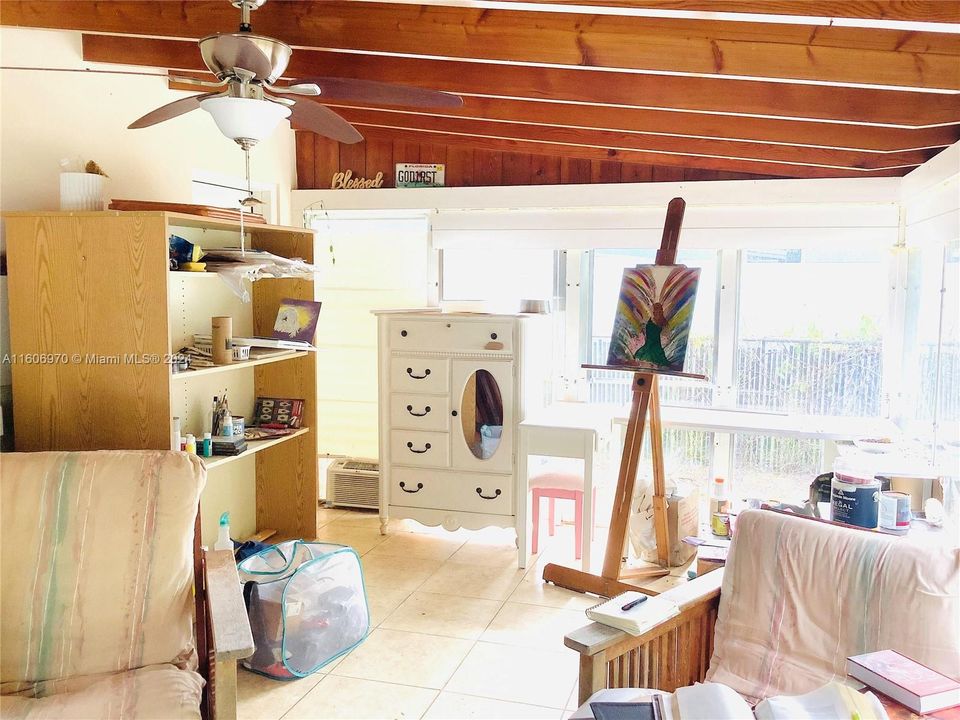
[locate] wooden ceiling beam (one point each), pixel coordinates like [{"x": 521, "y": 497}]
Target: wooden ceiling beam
[
  {"x": 628, "y": 156},
  {"x": 694, "y": 125},
  {"x": 654, "y": 144},
  {"x": 777, "y": 51},
  {"x": 733, "y": 97},
  {"x": 929, "y": 11}
]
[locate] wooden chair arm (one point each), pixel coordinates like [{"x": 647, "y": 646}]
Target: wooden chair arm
[
  {"x": 672, "y": 654},
  {"x": 229, "y": 625}
]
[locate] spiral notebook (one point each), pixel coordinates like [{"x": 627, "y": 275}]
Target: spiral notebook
[{"x": 636, "y": 621}]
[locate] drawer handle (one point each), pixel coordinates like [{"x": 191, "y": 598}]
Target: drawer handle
[
  {"x": 496, "y": 494},
  {"x": 426, "y": 446},
  {"x": 404, "y": 488},
  {"x": 426, "y": 411},
  {"x": 418, "y": 377}
]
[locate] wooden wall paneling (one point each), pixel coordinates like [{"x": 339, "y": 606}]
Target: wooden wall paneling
[
  {"x": 487, "y": 168},
  {"x": 605, "y": 171},
  {"x": 354, "y": 157},
  {"x": 636, "y": 172},
  {"x": 545, "y": 170},
  {"x": 326, "y": 160},
  {"x": 63, "y": 305},
  {"x": 405, "y": 152},
  {"x": 575, "y": 171},
  {"x": 667, "y": 174},
  {"x": 380, "y": 159},
  {"x": 306, "y": 161},
  {"x": 287, "y": 489},
  {"x": 430, "y": 153},
  {"x": 460, "y": 169},
  {"x": 517, "y": 169}
]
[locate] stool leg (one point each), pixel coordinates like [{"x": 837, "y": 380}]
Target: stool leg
[
  {"x": 578, "y": 524},
  {"x": 551, "y": 515},
  {"x": 536, "y": 521}
]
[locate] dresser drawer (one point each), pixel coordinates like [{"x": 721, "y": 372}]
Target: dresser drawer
[
  {"x": 452, "y": 334},
  {"x": 420, "y": 375},
  {"x": 420, "y": 412},
  {"x": 423, "y": 449},
  {"x": 446, "y": 490}
]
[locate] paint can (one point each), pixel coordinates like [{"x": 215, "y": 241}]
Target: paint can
[
  {"x": 855, "y": 501},
  {"x": 895, "y": 511},
  {"x": 238, "y": 426},
  {"x": 720, "y": 524}
]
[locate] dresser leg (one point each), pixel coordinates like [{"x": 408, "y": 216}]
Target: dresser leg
[{"x": 384, "y": 521}]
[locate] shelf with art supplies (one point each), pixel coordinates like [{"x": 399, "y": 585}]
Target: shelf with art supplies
[
  {"x": 225, "y": 436},
  {"x": 649, "y": 339}
]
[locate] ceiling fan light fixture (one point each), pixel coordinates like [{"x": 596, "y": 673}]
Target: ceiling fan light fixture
[{"x": 244, "y": 120}]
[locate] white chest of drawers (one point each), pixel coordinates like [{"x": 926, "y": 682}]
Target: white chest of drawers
[{"x": 449, "y": 384}]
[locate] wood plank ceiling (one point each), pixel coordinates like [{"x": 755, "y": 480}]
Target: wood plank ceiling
[{"x": 787, "y": 88}]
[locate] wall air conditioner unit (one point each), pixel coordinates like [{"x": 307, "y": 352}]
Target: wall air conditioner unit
[{"x": 355, "y": 483}]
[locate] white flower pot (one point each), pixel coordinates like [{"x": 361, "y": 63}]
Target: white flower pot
[{"x": 81, "y": 191}]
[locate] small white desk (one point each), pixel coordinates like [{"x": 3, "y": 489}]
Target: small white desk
[{"x": 567, "y": 430}]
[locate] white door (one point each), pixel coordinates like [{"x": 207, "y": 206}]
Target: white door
[{"x": 482, "y": 415}]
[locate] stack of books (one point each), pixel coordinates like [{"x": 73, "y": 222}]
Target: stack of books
[{"x": 233, "y": 445}]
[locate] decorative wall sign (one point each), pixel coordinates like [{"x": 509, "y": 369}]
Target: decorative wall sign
[
  {"x": 346, "y": 181},
  {"x": 411, "y": 175}
]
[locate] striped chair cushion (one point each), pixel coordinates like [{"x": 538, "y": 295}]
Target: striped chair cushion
[
  {"x": 799, "y": 596},
  {"x": 96, "y": 562}
]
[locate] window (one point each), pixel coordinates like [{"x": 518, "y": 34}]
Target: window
[
  {"x": 939, "y": 382},
  {"x": 502, "y": 277},
  {"x": 774, "y": 467},
  {"x": 810, "y": 331},
  {"x": 607, "y": 386}
]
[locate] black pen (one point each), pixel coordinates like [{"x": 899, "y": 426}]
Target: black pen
[{"x": 633, "y": 603}]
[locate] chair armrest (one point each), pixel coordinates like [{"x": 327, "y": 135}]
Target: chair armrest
[
  {"x": 229, "y": 625},
  {"x": 672, "y": 654}
]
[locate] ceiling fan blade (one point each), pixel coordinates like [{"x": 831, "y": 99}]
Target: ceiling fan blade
[
  {"x": 170, "y": 110},
  {"x": 380, "y": 93},
  {"x": 298, "y": 89},
  {"x": 235, "y": 51},
  {"x": 196, "y": 81},
  {"x": 324, "y": 121}
]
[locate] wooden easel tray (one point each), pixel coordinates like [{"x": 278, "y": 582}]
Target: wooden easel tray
[
  {"x": 209, "y": 211},
  {"x": 641, "y": 369}
]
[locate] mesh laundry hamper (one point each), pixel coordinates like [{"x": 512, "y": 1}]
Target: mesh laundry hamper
[{"x": 307, "y": 606}]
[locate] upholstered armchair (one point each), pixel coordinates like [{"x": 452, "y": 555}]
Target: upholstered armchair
[
  {"x": 109, "y": 607},
  {"x": 796, "y": 597}
]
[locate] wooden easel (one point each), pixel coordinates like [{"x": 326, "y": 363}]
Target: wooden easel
[{"x": 646, "y": 401}]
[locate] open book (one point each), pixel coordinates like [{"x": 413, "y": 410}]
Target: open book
[{"x": 833, "y": 701}]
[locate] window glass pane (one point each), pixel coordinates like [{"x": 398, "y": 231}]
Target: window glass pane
[
  {"x": 773, "y": 467},
  {"x": 934, "y": 275},
  {"x": 687, "y": 457},
  {"x": 810, "y": 324},
  {"x": 503, "y": 277},
  {"x": 607, "y": 386}
]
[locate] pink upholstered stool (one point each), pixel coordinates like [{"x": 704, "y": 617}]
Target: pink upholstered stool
[{"x": 560, "y": 486}]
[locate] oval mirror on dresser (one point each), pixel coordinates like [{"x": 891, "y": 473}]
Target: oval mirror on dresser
[{"x": 481, "y": 414}]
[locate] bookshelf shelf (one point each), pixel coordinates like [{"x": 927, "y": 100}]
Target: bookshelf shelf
[
  {"x": 253, "y": 447},
  {"x": 239, "y": 365}
]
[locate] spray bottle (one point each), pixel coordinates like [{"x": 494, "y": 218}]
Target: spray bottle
[{"x": 223, "y": 535}]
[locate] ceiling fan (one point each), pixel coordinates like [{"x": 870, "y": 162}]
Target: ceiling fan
[{"x": 247, "y": 105}]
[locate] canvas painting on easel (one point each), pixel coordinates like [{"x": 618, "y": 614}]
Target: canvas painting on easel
[{"x": 653, "y": 317}]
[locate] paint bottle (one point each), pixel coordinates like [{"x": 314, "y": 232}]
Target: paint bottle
[
  {"x": 175, "y": 434},
  {"x": 207, "y": 445},
  {"x": 226, "y": 425},
  {"x": 191, "y": 444}
]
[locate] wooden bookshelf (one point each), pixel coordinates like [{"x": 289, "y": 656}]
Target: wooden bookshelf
[{"x": 92, "y": 292}]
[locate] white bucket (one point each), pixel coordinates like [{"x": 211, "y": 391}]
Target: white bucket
[{"x": 81, "y": 191}]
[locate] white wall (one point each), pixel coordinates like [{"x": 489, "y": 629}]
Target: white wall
[{"x": 45, "y": 116}]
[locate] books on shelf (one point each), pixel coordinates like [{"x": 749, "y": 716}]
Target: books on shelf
[
  {"x": 916, "y": 686},
  {"x": 638, "y": 618},
  {"x": 229, "y": 445},
  {"x": 259, "y": 342}
]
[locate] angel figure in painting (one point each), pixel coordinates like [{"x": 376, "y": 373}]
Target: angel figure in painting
[{"x": 653, "y": 317}]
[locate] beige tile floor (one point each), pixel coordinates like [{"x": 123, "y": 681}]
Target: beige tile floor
[{"x": 457, "y": 631}]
